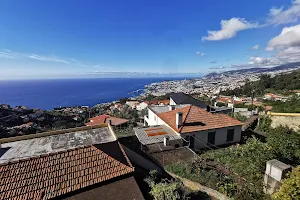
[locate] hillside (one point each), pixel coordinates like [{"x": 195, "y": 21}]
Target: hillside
[
  {"x": 282, "y": 83},
  {"x": 261, "y": 70},
  {"x": 258, "y": 69}
]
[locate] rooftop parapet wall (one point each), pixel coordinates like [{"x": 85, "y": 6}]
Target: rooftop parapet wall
[
  {"x": 284, "y": 114},
  {"x": 49, "y": 133}
]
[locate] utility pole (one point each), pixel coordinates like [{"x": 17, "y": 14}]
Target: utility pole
[{"x": 252, "y": 97}]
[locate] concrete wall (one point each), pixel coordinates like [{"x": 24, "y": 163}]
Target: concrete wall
[
  {"x": 220, "y": 138},
  {"x": 240, "y": 110},
  {"x": 140, "y": 160},
  {"x": 153, "y": 119}
]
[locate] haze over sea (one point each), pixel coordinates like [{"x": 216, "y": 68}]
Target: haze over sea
[{"x": 48, "y": 94}]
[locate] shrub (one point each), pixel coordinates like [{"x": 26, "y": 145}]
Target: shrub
[
  {"x": 290, "y": 188},
  {"x": 265, "y": 124}
]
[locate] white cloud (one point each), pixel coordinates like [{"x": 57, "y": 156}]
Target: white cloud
[
  {"x": 229, "y": 29},
  {"x": 260, "y": 61},
  {"x": 284, "y": 56},
  {"x": 276, "y": 16},
  {"x": 255, "y": 47},
  {"x": 49, "y": 58},
  {"x": 283, "y": 16},
  {"x": 289, "y": 37},
  {"x": 200, "y": 53},
  {"x": 289, "y": 55},
  {"x": 8, "y": 54}
]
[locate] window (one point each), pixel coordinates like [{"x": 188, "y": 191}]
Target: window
[
  {"x": 211, "y": 138},
  {"x": 230, "y": 134}
]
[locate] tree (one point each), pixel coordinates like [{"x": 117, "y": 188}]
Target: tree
[
  {"x": 265, "y": 124},
  {"x": 290, "y": 188},
  {"x": 238, "y": 116},
  {"x": 169, "y": 189},
  {"x": 220, "y": 104},
  {"x": 166, "y": 190},
  {"x": 123, "y": 100},
  {"x": 162, "y": 189},
  {"x": 285, "y": 143}
]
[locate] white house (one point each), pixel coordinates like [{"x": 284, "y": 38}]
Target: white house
[
  {"x": 182, "y": 98},
  {"x": 132, "y": 104},
  {"x": 142, "y": 106},
  {"x": 197, "y": 126}
]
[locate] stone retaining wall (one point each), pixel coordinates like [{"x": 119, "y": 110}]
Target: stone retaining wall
[
  {"x": 290, "y": 121},
  {"x": 197, "y": 186}
]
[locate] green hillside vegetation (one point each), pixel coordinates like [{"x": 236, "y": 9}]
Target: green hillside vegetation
[
  {"x": 290, "y": 106},
  {"x": 247, "y": 160},
  {"x": 281, "y": 83}
]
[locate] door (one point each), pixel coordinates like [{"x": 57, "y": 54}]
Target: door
[
  {"x": 192, "y": 141},
  {"x": 211, "y": 138}
]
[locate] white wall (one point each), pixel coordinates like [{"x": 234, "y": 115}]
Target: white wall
[
  {"x": 141, "y": 106},
  {"x": 220, "y": 138},
  {"x": 140, "y": 160},
  {"x": 153, "y": 119},
  {"x": 172, "y": 102}
]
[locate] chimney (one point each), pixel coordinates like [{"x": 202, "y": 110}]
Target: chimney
[
  {"x": 171, "y": 107},
  {"x": 166, "y": 140},
  {"x": 178, "y": 119},
  {"x": 108, "y": 121}
]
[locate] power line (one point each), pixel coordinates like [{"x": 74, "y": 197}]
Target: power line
[{"x": 205, "y": 144}]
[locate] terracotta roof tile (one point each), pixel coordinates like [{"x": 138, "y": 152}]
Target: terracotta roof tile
[
  {"x": 52, "y": 175},
  {"x": 157, "y": 102},
  {"x": 197, "y": 119}
]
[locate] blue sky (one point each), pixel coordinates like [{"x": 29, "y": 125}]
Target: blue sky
[{"x": 48, "y": 39}]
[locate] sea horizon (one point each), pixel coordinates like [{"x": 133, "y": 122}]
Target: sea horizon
[{"x": 47, "y": 94}]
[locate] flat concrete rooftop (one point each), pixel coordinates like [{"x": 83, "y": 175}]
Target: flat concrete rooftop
[
  {"x": 155, "y": 134},
  {"x": 43, "y": 145}
]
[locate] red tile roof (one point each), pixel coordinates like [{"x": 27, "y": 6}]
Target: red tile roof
[
  {"x": 157, "y": 102},
  {"x": 102, "y": 119},
  {"x": 224, "y": 100},
  {"x": 56, "y": 174},
  {"x": 268, "y": 108},
  {"x": 197, "y": 119}
]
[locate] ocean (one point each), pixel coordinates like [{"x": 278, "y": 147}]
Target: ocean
[{"x": 48, "y": 94}]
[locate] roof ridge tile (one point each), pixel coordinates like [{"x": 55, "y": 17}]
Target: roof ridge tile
[{"x": 190, "y": 106}]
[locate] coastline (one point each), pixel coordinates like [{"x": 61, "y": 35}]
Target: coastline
[{"x": 49, "y": 94}]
